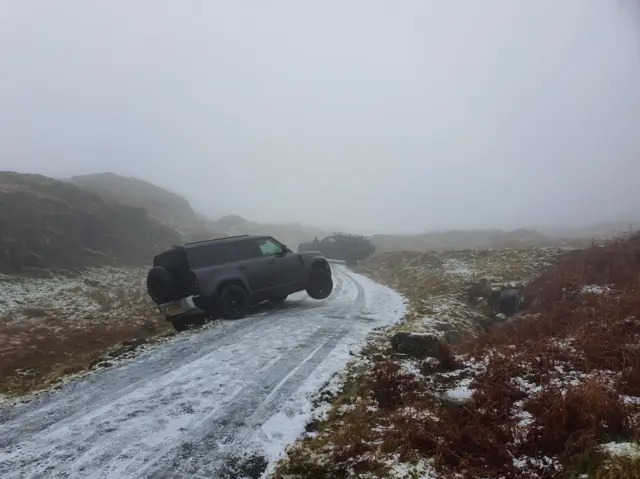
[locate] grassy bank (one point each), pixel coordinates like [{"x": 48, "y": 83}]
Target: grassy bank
[
  {"x": 552, "y": 392},
  {"x": 53, "y": 327}
]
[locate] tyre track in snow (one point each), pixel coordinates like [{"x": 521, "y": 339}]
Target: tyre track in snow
[
  {"x": 182, "y": 408},
  {"x": 127, "y": 377},
  {"x": 234, "y": 425}
]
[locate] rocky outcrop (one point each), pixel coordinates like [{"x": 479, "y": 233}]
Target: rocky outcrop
[
  {"x": 417, "y": 345},
  {"x": 50, "y": 224},
  {"x": 165, "y": 206}
]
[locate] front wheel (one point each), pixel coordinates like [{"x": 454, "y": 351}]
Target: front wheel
[
  {"x": 233, "y": 302},
  {"x": 320, "y": 284}
]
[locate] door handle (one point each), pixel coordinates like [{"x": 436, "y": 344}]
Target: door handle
[
  {"x": 273, "y": 261},
  {"x": 241, "y": 267}
]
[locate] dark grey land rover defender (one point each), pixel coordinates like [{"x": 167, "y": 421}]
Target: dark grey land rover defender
[{"x": 224, "y": 277}]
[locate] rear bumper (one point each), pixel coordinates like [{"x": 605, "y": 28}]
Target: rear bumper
[{"x": 179, "y": 308}]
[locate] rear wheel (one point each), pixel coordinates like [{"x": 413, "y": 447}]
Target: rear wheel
[
  {"x": 183, "y": 323},
  {"x": 233, "y": 302},
  {"x": 320, "y": 284}
]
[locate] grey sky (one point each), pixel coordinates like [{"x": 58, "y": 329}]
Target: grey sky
[{"x": 367, "y": 115}]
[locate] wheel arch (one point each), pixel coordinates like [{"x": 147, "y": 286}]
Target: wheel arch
[
  {"x": 321, "y": 263},
  {"x": 229, "y": 281}
]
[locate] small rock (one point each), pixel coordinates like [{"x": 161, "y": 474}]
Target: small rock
[
  {"x": 454, "y": 336},
  {"x": 138, "y": 342},
  {"x": 105, "y": 364},
  {"x": 94, "y": 362},
  {"x": 117, "y": 352},
  {"x": 631, "y": 349},
  {"x": 444, "y": 327},
  {"x": 34, "y": 312},
  {"x": 507, "y": 301},
  {"x": 456, "y": 403}
]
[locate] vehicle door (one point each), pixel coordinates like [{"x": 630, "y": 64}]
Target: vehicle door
[
  {"x": 251, "y": 264},
  {"x": 284, "y": 266}
]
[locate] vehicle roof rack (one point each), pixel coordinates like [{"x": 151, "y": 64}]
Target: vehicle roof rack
[
  {"x": 347, "y": 234},
  {"x": 215, "y": 239}
]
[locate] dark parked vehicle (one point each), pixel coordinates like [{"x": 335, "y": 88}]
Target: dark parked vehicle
[
  {"x": 341, "y": 246},
  {"x": 223, "y": 277}
]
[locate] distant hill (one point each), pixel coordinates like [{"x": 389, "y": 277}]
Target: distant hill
[
  {"x": 291, "y": 234},
  {"x": 599, "y": 231},
  {"x": 165, "y": 206},
  {"x": 464, "y": 239},
  {"x": 52, "y": 224}
]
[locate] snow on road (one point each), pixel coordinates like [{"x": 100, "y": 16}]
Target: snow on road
[{"x": 220, "y": 403}]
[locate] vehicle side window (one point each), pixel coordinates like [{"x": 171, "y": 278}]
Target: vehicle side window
[
  {"x": 269, "y": 247},
  {"x": 246, "y": 250},
  {"x": 210, "y": 255}
]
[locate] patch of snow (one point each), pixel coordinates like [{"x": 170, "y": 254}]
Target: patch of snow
[
  {"x": 71, "y": 298},
  {"x": 624, "y": 449},
  {"x": 411, "y": 367},
  {"x": 422, "y": 469},
  {"x": 631, "y": 400},
  {"x": 461, "y": 391},
  {"x": 456, "y": 267},
  {"x": 595, "y": 289}
]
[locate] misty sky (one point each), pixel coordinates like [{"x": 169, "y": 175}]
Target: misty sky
[{"x": 365, "y": 115}]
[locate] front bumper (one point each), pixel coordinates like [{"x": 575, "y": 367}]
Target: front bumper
[{"x": 179, "y": 308}]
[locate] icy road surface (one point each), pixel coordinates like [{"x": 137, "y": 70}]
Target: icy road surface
[{"x": 222, "y": 402}]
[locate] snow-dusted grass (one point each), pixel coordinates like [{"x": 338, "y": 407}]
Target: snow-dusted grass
[
  {"x": 552, "y": 394},
  {"x": 51, "y": 327}
]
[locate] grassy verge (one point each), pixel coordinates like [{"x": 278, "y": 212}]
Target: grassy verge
[
  {"x": 53, "y": 327},
  {"x": 553, "y": 392}
]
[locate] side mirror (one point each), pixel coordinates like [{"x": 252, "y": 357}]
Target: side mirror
[{"x": 282, "y": 253}]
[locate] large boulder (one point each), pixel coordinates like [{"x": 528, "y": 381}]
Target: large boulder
[
  {"x": 506, "y": 301},
  {"x": 417, "y": 345}
]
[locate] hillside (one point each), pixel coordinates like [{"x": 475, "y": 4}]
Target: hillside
[
  {"x": 52, "y": 224},
  {"x": 163, "y": 205}
]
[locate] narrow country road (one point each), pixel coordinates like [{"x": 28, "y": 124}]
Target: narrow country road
[{"x": 217, "y": 403}]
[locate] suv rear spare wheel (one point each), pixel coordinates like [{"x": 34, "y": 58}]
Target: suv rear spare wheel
[
  {"x": 160, "y": 285},
  {"x": 320, "y": 284},
  {"x": 233, "y": 302}
]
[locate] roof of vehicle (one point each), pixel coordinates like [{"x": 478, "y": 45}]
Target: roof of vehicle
[{"x": 226, "y": 239}]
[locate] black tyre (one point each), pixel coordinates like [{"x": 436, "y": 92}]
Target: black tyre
[
  {"x": 233, "y": 302},
  {"x": 160, "y": 285},
  {"x": 180, "y": 324},
  {"x": 183, "y": 323},
  {"x": 320, "y": 284}
]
